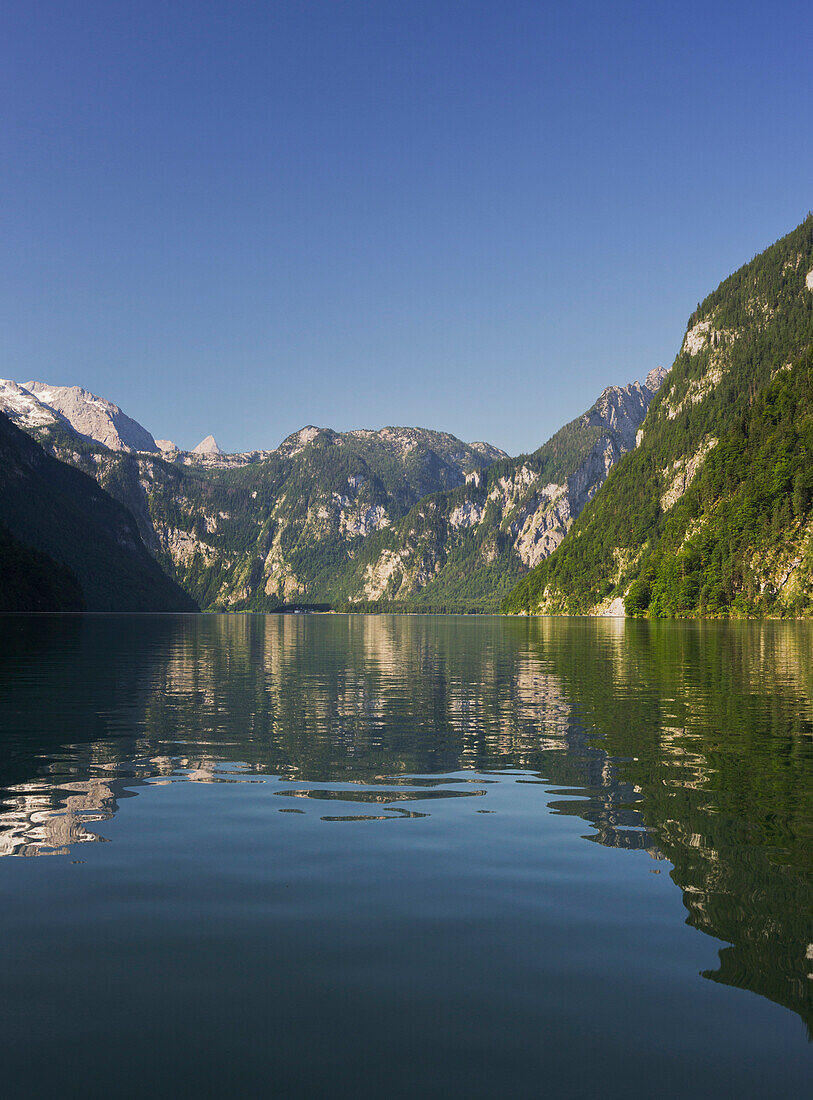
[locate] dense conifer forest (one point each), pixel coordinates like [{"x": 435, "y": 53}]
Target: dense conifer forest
[{"x": 711, "y": 514}]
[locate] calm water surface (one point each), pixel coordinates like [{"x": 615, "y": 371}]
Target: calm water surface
[{"x": 419, "y": 856}]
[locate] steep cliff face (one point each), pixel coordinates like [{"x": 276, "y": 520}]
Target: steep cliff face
[
  {"x": 464, "y": 548},
  {"x": 711, "y": 514}
]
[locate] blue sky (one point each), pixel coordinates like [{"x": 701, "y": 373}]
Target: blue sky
[{"x": 240, "y": 218}]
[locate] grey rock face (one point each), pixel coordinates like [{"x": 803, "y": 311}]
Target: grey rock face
[
  {"x": 656, "y": 378},
  {"x": 623, "y": 408},
  {"x": 35, "y": 404},
  {"x": 207, "y": 446}
]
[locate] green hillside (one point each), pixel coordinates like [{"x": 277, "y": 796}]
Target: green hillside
[
  {"x": 467, "y": 568},
  {"x": 285, "y": 529},
  {"x": 711, "y": 514},
  {"x": 464, "y": 549}
]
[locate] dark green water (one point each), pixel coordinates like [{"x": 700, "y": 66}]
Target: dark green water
[{"x": 424, "y": 856}]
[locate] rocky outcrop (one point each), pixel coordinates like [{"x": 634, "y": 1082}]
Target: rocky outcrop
[
  {"x": 507, "y": 517},
  {"x": 622, "y": 409},
  {"x": 682, "y": 471}
]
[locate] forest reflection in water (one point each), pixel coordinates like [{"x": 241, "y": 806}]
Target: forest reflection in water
[{"x": 691, "y": 741}]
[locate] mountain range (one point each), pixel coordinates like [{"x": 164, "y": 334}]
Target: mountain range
[
  {"x": 403, "y": 516},
  {"x": 688, "y": 493}
]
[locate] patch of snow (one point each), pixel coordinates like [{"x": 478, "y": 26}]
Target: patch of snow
[{"x": 22, "y": 406}]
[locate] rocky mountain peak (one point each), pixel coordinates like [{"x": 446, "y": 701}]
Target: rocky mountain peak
[
  {"x": 37, "y": 404},
  {"x": 22, "y": 407},
  {"x": 623, "y": 408},
  {"x": 656, "y": 378},
  {"x": 207, "y": 446},
  {"x": 488, "y": 450}
]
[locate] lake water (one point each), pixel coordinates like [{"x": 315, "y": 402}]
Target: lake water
[{"x": 405, "y": 856}]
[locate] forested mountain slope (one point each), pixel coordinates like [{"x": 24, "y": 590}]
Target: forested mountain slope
[
  {"x": 253, "y": 533},
  {"x": 463, "y": 549},
  {"x": 33, "y": 581},
  {"x": 65, "y": 545},
  {"x": 711, "y": 513}
]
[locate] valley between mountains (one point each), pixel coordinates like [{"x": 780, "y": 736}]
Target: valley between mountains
[
  {"x": 687, "y": 493},
  {"x": 402, "y": 516}
]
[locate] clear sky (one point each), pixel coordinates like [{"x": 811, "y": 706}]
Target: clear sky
[{"x": 239, "y": 218}]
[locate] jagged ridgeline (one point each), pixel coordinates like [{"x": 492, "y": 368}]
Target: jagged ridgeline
[
  {"x": 463, "y": 549},
  {"x": 711, "y": 513},
  {"x": 400, "y": 518}
]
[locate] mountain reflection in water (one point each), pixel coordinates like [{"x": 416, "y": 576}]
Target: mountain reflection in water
[{"x": 691, "y": 741}]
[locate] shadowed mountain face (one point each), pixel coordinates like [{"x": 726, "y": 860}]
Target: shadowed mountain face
[
  {"x": 67, "y": 544},
  {"x": 33, "y": 581},
  {"x": 690, "y": 742}
]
